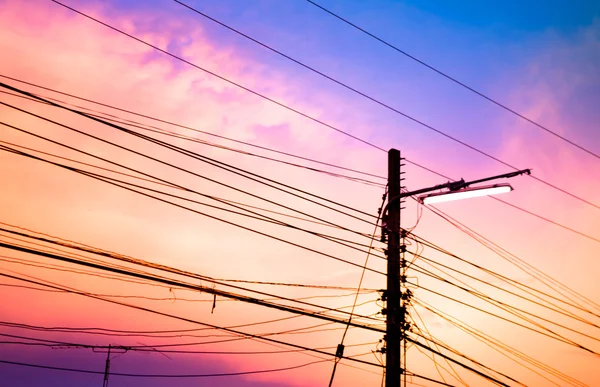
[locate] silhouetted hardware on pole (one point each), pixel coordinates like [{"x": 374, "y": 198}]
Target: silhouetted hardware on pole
[{"x": 396, "y": 296}]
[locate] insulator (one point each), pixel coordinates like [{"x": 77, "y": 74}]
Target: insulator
[{"x": 384, "y": 296}]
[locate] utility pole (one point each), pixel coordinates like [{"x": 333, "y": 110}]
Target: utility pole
[
  {"x": 394, "y": 320},
  {"x": 397, "y": 296},
  {"x": 107, "y": 368}
]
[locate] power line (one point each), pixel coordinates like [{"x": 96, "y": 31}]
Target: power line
[
  {"x": 560, "y": 311},
  {"x": 445, "y": 75},
  {"x": 419, "y": 122},
  {"x": 504, "y": 305},
  {"x": 172, "y": 299},
  {"x": 545, "y": 219},
  {"x": 512, "y": 258},
  {"x": 208, "y": 279},
  {"x": 183, "y": 207},
  {"x": 189, "y": 320},
  {"x": 506, "y": 279},
  {"x": 146, "y": 348},
  {"x": 154, "y": 129},
  {"x": 340, "y": 348},
  {"x": 223, "y": 78},
  {"x": 119, "y": 183},
  {"x": 555, "y": 336},
  {"x": 162, "y": 375},
  {"x": 200, "y": 288},
  {"x": 540, "y": 217},
  {"x": 189, "y": 352},
  {"x": 504, "y": 348},
  {"x": 454, "y": 374},
  {"x": 94, "y": 250},
  {"x": 187, "y": 127},
  {"x": 295, "y": 331},
  {"x": 169, "y": 185},
  {"x": 160, "y": 183},
  {"x": 490, "y": 378},
  {"x": 163, "y": 162}
]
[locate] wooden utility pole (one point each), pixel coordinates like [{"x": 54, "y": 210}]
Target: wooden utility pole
[
  {"x": 394, "y": 316},
  {"x": 107, "y": 368}
]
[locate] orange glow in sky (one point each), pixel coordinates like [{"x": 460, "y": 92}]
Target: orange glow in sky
[{"x": 537, "y": 296}]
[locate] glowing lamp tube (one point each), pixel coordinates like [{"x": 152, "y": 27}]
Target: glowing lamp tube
[{"x": 465, "y": 193}]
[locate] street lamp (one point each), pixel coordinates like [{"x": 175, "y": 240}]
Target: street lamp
[
  {"x": 396, "y": 299},
  {"x": 457, "y": 190},
  {"x": 466, "y": 193}
]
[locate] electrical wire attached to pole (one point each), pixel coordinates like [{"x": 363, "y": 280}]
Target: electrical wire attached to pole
[{"x": 339, "y": 353}]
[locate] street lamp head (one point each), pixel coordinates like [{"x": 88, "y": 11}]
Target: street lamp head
[{"x": 465, "y": 193}]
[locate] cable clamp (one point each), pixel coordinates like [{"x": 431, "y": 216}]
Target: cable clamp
[{"x": 339, "y": 352}]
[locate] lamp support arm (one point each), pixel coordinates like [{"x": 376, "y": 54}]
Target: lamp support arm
[{"x": 456, "y": 185}]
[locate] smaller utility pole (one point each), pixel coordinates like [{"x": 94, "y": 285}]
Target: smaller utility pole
[{"x": 106, "y": 368}]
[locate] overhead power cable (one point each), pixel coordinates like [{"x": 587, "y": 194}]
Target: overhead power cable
[
  {"x": 172, "y": 298},
  {"x": 182, "y": 284},
  {"x": 154, "y": 129},
  {"x": 490, "y": 378},
  {"x": 526, "y": 267},
  {"x": 187, "y": 189},
  {"x": 296, "y": 331},
  {"x": 281, "y": 104},
  {"x": 503, "y": 289},
  {"x": 504, "y": 349},
  {"x": 47, "y": 238},
  {"x": 517, "y": 284},
  {"x": 241, "y": 335},
  {"x": 160, "y": 182},
  {"x": 256, "y": 282},
  {"x": 184, "y": 375},
  {"x": 128, "y": 186},
  {"x": 540, "y": 217},
  {"x": 121, "y": 183},
  {"x": 552, "y": 336},
  {"x": 163, "y": 184},
  {"x": 164, "y": 162},
  {"x": 200, "y": 288},
  {"x": 171, "y": 123},
  {"x": 469, "y": 368},
  {"x": 454, "y": 374},
  {"x": 504, "y": 306},
  {"x": 214, "y": 375},
  {"x": 456, "y": 81},
  {"x": 397, "y": 111},
  {"x": 340, "y": 349},
  {"x": 332, "y": 239},
  {"x": 189, "y": 320},
  {"x": 60, "y": 345},
  {"x": 300, "y": 300}
]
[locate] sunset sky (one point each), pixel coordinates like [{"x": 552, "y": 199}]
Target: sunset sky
[{"x": 541, "y": 62}]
